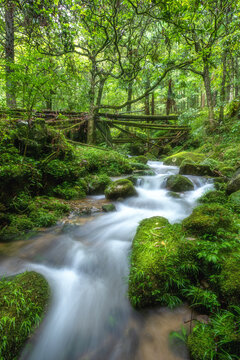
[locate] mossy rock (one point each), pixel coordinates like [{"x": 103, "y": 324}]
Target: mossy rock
[
  {"x": 234, "y": 201},
  {"x": 23, "y": 301},
  {"x": 122, "y": 188},
  {"x": 179, "y": 183},
  {"x": 208, "y": 219},
  {"x": 144, "y": 172},
  {"x": 220, "y": 183},
  {"x": 229, "y": 281},
  {"x": 214, "y": 196},
  {"x": 109, "y": 208},
  {"x": 227, "y": 171},
  {"x": 201, "y": 343},
  {"x": 139, "y": 166},
  {"x": 196, "y": 169},
  {"x": 134, "y": 179},
  {"x": 140, "y": 159},
  {"x": 234, "y": 184},
  {"x": 156, "y": 275},
  {"x": 177, "y": 159},
  {"x": 97, "y": 184}
]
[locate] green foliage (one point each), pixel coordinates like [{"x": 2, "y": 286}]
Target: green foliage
[
  {"x": 218, "y": 339},
  {"x": 23, "y": 300},
  {"x": 68, "y": 191},
  {"x": 178, "y": 158},
  {"x": 96, "y": 184}
]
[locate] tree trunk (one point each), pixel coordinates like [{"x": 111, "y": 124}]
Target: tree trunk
[
  {"x": 153, "y": 104},
  {"x": 147, "y": 98},
  {"x": 236, "y": 77},
  {"x": 9, "y": 54},
  {"x": 223, "y": 86},
  {"x": 129, "y": 97},
  {"x": 91, "y": 119},
  {"x": 207, "y": 83}
]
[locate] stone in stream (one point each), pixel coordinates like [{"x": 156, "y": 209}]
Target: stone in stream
[
  {"x": 121, "y": 188},
  {"x": 196, "y": 169},
  {"x": 179, "y": 183},
  {"x": 109, "y": 207}
]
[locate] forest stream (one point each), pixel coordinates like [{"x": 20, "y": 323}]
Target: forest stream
[{"x": 87, "y": 267}]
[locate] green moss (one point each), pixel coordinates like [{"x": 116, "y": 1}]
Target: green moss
[
  {"x": 139, "y": 166},
  {"x": 229, "y": 281},
  {"x": 159, "y": 268},
  {"x": 177, "y": 159},
  {"x": 234, "y": 184},
  {"x": 22, "y": 303},
  {"x": 109, "y": 207},
  {"x": 120, "y": 189},
  {"x": 227, "y": 170},
  {"x": 208, "y": 220},
  {"x": 214, "y": 196},
  {"x": 178, "y": 183}
]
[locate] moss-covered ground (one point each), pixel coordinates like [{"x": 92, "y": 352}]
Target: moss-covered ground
[
  {"x": 40, "y": 170},
  {"x": 23, "y": 301}
]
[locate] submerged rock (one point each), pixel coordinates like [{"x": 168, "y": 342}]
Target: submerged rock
[
  {"x": 178, "y": 183},
  {"x": 122, "y": 188},
  {"x": 196, "y": 169},
  {"x": 109, "y": 207}
]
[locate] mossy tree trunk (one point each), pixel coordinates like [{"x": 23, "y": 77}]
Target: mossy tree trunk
[{"x": 207, "y": 83}]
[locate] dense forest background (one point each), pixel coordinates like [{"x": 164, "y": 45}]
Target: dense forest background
[{"x": 153, "y": 57}]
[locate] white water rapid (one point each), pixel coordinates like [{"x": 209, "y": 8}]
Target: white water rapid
[{"x": 87, "y": 268}]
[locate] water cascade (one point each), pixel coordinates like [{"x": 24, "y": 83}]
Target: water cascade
[{"x": 87, "y": 268}]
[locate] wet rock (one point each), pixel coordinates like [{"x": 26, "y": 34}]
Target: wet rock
[
  {"x": 178, "y": 183},
  {"x": 174, "y": 195},
  {"x": 196, "y": 169},
  {"x": 109, "y": 207},
  {"x": 121, "y": 188},
  {"x": 234, "y": 183}
]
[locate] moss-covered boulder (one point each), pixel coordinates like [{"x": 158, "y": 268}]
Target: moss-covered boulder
[
  {"x": 160, "y": 260},
  {"x": 178, "y": 183},
  {"x": 178, "y": 158},
  {"x": 196, "y": 169},
  {"x": 214, "y": 196},
  {"x": 234, "y": 184},
  {"x": 234, "y": 201},
  {"x": 122, "y": 188},
  {"x": 97, "y": 184},
  {"x": 23, "y": 301},
  {"x": 208, "y": 219},
  {"x": 134, "y": 179}
]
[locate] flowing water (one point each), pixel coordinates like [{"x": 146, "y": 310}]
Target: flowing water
[{"x": 90, "y": 317}]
